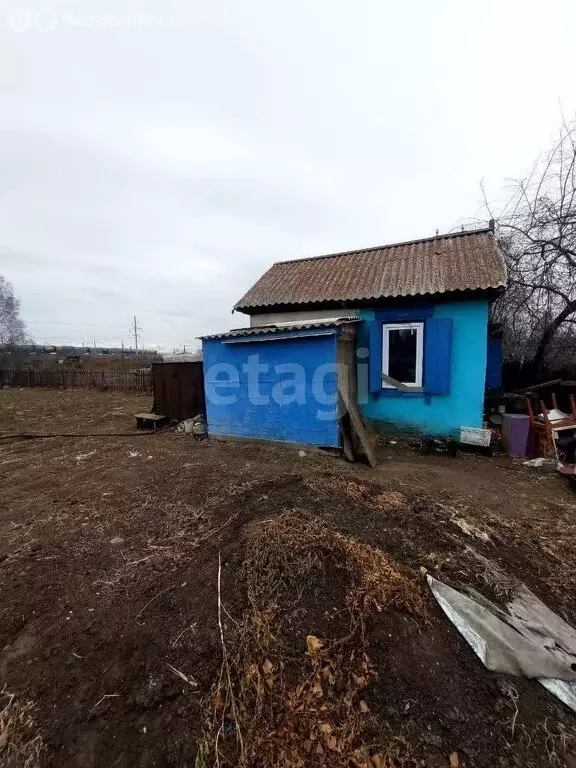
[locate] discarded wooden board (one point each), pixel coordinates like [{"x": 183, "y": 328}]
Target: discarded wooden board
[
  {"x": 392, "y": 382},
  {"x": 151, "y": 421},
  {"x": 358, "y": 426},
  {"x": 347, "y": 439}
]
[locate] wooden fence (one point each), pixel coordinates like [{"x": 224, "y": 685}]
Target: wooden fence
[{"x": 73, "y": 378}]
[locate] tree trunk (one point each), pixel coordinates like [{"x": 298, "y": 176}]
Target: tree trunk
[{"x": 548, "y": 334}]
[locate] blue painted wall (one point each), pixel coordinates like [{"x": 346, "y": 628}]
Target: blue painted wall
[
  {"x": 436, "y": 414},
  {"x": 295, "y": 408}
]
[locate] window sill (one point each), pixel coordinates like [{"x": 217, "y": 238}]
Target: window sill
[
  {"x": 399, "y": 393},
  {"x": 391, "y": 392}
]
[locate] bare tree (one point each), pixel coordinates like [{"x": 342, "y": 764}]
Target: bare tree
[
  {"x": 538, "y": 232},
  {"x": 12, "y": 329}
]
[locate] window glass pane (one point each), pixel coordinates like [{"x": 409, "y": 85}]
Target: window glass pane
[{"x": 402, "y": 354}]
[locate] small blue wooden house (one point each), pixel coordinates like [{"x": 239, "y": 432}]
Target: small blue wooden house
[{"x": 403, "y": 329}]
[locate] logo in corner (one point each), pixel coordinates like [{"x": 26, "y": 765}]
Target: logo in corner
[
  {"x": 46, "y": 20},
  {"x": 20, "y": 20}
]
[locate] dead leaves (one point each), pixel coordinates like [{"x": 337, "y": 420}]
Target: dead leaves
[
  {"x": 330, "y": 739},
  {"x": 317, "y": 690},
  {"x": 391, "y": 500},
  {"x": 321, "y": 716},
  {"x": 362, "y": 759},
  {"x": 314, "y": 645},
  {"x": 328, "y": 674},
  {"x": 333, "y": 744},
  {"x": 394, "y": 754},
  {"x": 382, "y": 584},
  {"x": 259, "y": 675},
  {"x": 387, "y": 501},
  {"x": 267, "y": 668}
]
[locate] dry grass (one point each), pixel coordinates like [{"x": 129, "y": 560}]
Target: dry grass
[
  {"x": 20, "y": 744},
  {"x": 558, "y": 739},
  {"x": 359, "y": 492},
  {"x": 281, "y": 707},
  {"x": 381, "y": 583}
]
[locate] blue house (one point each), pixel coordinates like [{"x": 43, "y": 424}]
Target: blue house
[{"x": 402, "y": 329}]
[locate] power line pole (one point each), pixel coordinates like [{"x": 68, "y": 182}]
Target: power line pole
[{"x": 135, "y": 334}]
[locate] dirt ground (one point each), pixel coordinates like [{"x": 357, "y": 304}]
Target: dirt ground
[{"x": 109, "y": 547}]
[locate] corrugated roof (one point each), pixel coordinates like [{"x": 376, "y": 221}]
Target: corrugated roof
[
  {"x": 283, "y": 328},
  {"x": 441, "y": 264}
]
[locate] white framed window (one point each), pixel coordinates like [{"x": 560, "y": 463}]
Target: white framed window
[{"x": 402, "y": 353}]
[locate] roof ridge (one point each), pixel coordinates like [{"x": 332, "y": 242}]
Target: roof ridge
[{"x": 483, "y": 231}]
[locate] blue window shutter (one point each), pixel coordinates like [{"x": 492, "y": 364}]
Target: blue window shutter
[
  {"x": 494, "y": 364},
  {"x": 375, "y": 356},
  {"x": 437, "y": 355}
]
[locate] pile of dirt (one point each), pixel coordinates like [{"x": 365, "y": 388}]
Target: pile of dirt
[{"x": 284, "y": 697}]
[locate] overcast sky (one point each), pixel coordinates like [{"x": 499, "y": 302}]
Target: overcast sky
[{"x": 156, "y": 157}]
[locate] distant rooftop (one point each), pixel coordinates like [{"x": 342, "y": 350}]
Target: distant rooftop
[
  {"x": 182, "y": 357},
  {"x": 460, "y": 261}
]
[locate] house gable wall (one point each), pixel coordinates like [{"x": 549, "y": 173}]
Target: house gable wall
[
  {"x": 436, "y": 414},
  {"x": 299, "y": 316}
]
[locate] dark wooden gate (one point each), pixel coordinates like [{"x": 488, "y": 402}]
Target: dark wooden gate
[{"x": 178, "y": 389}]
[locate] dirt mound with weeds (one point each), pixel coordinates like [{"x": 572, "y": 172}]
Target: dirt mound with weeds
[{"x": 288, "y": 702}]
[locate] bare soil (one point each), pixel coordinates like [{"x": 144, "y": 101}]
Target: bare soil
[{"x": 108, "y": 574}]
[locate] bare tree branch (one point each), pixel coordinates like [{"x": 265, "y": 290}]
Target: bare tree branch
[{"x": 537, "y": 229}]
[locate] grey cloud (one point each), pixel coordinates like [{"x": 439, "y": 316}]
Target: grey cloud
[{"x": 158, "y": 172}]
